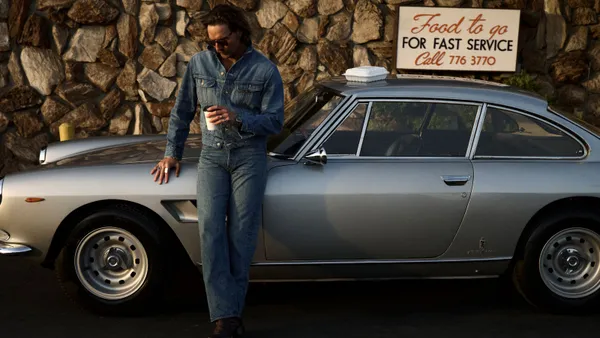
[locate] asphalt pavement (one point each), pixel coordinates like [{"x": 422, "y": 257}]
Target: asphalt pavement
[{"x": 32, "y": 305}]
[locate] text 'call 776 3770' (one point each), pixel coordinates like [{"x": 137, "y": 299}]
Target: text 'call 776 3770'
[{"x": 457, "y": 39}]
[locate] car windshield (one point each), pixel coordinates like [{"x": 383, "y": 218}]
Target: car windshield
[
  {"x": 575, "y": 119},
  {"x": 302, "y": 116}
]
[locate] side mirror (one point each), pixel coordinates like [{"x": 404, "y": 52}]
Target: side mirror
[{"x": 318, "y": 156}]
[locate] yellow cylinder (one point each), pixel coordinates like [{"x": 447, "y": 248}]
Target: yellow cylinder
[{"x": 66, "y": 131}]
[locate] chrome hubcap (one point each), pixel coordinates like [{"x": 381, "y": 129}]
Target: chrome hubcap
[
  {"x": 117, "y": 259},
  {"x": 111, "y": 263},
  {"x": 569, "y": 263}
]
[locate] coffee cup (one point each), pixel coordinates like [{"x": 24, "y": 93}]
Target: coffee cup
[{"x": 209, "y": 125}]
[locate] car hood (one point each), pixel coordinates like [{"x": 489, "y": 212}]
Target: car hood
[{"x": 131, "y": 153}]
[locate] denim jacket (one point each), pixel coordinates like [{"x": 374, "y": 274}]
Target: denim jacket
[{"x": 252, "y": 89}]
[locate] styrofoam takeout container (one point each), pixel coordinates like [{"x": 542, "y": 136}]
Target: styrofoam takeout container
[{"x": 366, "y": 74}]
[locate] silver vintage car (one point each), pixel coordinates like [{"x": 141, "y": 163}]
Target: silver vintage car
[{"x": 406, "y": 177}]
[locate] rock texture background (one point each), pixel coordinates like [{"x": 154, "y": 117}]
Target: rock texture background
[{"x": 113, "y": 67}]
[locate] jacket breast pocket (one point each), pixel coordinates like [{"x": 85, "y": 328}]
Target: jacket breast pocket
[
  {"x": 247, "y": 94},
  {"x": 206, "y": 88}
]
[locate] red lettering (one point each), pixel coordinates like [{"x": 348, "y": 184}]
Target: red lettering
[
  {"x": 500, "y": 30},
  {"x": 426, "y": 24},
  {"x": 476, "y": 29},
  {"x": 434, "y": 27},
  {"x": 455, "y": 27},
  {"x": 426, "y": 59}
]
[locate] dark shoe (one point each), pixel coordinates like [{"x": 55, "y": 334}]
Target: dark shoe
[{"x": 228, "y": 328}]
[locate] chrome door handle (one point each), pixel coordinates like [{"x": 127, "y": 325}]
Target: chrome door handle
[{"x": 453, "y": 180}]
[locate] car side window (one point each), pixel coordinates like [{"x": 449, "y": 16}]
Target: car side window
[
  {"x": 345, "y": 138},
  {"x": 419, "y": 129},
  {"x": 453, "y": 117},
  {"x": 511, "y": 134}
]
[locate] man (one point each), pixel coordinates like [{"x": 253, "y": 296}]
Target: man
[{"x": 242, "y": 91}]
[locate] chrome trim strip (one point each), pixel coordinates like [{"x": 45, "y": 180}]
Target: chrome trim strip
[
  {"x": 478, "y": 128},
  {"x": 275, "y": 280},
  {"x": 395, "y": 158},
  {"x": 388, "y": 261},
  {"x": 485, "y": 157},
  {"x": 385, "y": 261},
  {"x": 13, "y": 249},
  {"x": 543, "y": 120},
  {"x": 364, "y": 128},
  {"x": 471, "y": 103}
]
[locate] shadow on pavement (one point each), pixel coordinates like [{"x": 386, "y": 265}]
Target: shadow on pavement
[{"x": 33, "y": 305}]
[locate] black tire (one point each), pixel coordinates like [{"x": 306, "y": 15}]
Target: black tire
[
  {"x": 150, "y": 293},
  {"x": 526, "y": 273}
]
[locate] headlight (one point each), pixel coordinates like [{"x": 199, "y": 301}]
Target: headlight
[{"x": 43, "y": 155}]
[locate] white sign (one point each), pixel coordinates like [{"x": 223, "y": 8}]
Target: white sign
[{"x": 463, "y": 39}]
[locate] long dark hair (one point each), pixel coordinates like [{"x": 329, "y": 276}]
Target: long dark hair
[{"x": 232, "y": 17}]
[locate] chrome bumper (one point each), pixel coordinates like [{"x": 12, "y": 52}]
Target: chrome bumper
[{"x": 10, "y": 249}]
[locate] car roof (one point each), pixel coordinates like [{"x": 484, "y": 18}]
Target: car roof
[{"x": 442, "y": 88}]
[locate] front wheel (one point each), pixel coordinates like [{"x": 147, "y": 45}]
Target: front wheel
[
  {"x": 114, "y": 262},
  {"x": 560, "y": 269}
]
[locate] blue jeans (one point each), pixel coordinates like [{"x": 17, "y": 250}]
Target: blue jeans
[{"x": 230, "y": 182}]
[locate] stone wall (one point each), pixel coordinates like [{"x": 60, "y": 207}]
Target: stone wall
[{"x": 112, "y": 67}]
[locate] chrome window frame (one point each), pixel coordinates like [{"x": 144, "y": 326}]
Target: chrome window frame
[
  {"x": 364, "y": 127},
  {"x": 327, "y": 128},
  {"x": 343, "y": 119},
  {"x": 549, "y": 122},
  {"x": 348, "y": 103}
]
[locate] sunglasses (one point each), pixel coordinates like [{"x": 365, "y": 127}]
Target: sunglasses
[{"x": 223, "y": 41}]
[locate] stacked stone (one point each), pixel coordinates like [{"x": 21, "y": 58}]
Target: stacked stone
[
  {"x": 113, "y": 67},
  {"x": 566, "y": 55}
]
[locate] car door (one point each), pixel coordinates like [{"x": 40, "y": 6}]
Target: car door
[{"x": 396, "y": 185}]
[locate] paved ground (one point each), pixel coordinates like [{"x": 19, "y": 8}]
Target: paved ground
[{"x": 32, "y": 305}]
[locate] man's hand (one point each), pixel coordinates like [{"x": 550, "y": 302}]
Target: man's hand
[
  {"x": 218, "y": 115},
  {"x": 161, "y": 170}
]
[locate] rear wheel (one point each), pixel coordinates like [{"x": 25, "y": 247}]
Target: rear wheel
[
  {"x": 114, "y": 262},
  {"x": 560, "y": 269}
]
